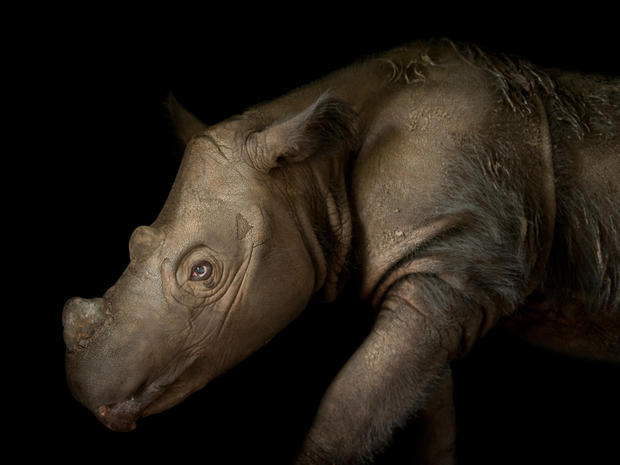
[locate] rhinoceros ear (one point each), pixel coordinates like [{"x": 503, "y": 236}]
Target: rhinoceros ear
[
  {"x": 326, "y": 127},
  {"x": 186, "y": 125}
]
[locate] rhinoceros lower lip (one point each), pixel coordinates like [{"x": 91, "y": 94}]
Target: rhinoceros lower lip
[
  {"x": 121, "y": 416},
  {"x": 157, "y": 396}
]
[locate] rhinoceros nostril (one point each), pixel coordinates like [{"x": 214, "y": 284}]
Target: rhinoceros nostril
[{"x": 80, "y": 319}]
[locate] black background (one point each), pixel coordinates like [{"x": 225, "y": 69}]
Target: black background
[{"x": 96, "y": 158}]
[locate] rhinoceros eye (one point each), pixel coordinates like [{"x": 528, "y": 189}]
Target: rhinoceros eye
[{"x": 201, "y": 271}]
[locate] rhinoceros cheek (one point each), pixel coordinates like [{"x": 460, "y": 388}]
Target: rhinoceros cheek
[
  {"x": 173, "y": 395},
  {"x": 191, "y": 380}
]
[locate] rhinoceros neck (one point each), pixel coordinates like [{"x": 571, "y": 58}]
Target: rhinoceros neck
[
  {"x": 319, "y": 197},
  {"x": 336, "y": 244},
  {"x": 320, "y": 205}
]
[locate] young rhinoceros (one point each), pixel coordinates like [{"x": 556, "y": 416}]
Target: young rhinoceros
[{"x": 466, "y": 191}]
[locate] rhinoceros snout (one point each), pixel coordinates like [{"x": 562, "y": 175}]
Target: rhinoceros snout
[{"x": 80, "y": 319}]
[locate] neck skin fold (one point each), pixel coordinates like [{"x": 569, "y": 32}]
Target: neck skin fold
[{"x": 322, "y": 213}]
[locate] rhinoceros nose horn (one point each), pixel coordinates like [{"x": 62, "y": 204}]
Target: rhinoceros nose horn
[{"x": 80, "y": 319}]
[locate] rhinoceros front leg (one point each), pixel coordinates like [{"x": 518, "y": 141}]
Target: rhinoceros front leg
[
  {"x": 435, "y": 427},
  {"x": 401, "y": 369}
]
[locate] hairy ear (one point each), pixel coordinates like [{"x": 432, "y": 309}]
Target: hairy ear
[
  {"x": 186, "y": 125},
  {"x": 327, "y": 127}
]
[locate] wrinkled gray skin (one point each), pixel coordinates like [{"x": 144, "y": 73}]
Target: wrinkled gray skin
[{"x": 478, "y": 191}]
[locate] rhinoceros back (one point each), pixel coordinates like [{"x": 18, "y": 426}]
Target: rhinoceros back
[{"x": 585, "y": 260}]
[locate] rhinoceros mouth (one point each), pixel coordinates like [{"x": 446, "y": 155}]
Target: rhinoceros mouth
[{"x": 122, "y": 416}]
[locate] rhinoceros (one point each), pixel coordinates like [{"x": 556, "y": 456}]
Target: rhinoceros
[{"x": 455, "y": 190}]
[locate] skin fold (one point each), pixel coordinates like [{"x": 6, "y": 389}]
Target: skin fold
[{"x": 455, "y": 190}]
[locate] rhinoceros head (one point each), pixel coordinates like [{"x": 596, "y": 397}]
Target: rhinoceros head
[{"x": 224, "y": 267}]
